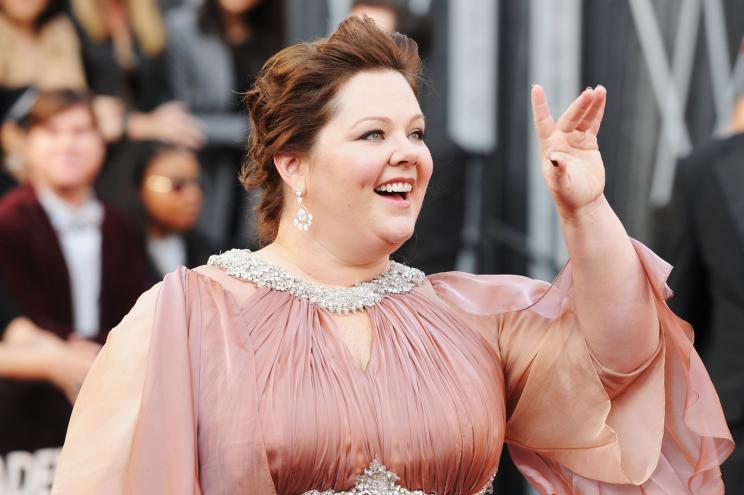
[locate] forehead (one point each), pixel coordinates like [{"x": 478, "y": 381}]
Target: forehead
[
  {"x": 77, "y": 114},
  {"x": 173, "y": 161},
  {"x": 385, "y": 93}
]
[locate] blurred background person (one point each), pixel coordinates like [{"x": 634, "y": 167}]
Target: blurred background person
[
  {"x": 436, "y": 243},
  {"x": 38, "y": 46},
  {"x": 215, "y": 50},
  {"x": 702, "y": 236},
  {"x": 169, "y": 185},
  {"x": 123, "y": 51},
  {"x": 73, "y": 265},
  {"x": 29, "y": 358}
]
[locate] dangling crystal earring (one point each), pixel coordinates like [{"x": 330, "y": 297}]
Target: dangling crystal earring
[{"x": 303, "y": 219}]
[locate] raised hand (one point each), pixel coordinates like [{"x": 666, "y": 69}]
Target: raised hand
[{"x": 571, "y": 162}]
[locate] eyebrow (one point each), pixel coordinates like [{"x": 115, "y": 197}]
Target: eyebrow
[{"x": 387, "y": 119}]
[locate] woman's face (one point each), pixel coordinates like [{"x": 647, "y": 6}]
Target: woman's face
[
  {"x": 23, "y": 11},
  {"x": 374, "y": 142},
  {"x": 237, "y": 7},
  {"x": 171, "y": 192},
  {"x": 65, "y": 152}
]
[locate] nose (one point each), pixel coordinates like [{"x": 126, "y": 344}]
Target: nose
[{"x": 405, "y": 153}]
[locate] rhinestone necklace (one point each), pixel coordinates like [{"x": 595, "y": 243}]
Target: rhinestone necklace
[{"x": 244, "y": 265}]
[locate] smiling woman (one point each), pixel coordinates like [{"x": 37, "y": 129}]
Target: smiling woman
[{"x": 316, "y": 365}]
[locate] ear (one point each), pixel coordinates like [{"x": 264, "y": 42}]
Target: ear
[
  {"x": 292, "y": 169},
  {"x": 12, "y": 138}
]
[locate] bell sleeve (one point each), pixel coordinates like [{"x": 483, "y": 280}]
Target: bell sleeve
[
  {"x": 575, "y": 426},
  {"x": 134, "y": 425}
]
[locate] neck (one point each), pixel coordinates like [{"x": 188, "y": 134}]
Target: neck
[
  {"x": 156, "y": 231},
  {"x": 310, "y": 258},
  {"x": 73, "y": 196},
  {"x": 27, "y": 28},
  {"x": 236, "y": 29}
]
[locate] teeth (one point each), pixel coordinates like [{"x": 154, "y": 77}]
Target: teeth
[{"x": 396, "y": 187}]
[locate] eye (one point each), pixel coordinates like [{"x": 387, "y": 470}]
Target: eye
[
  {"x": 418, "y": 134},
  {"x": 375, "y": 135}
]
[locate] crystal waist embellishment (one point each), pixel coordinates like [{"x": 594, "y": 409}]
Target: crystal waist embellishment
[
  {"x": 397, "y": 279},
  {"x": 377, "y": 480}
]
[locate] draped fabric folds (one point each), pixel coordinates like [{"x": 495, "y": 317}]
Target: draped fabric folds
[{"x": 212, "y": 385}]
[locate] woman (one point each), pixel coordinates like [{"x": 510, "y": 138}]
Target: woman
[
  {"x": 38, "y": 46},
  {"x": 280, "y": 372},
  {"x": 214, "y": 53},
  {"x": 122, "y": 45},
  {"x": 169, "y": 185}
]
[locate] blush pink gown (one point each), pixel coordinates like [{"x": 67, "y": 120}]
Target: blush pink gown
[{"x": 216, "y": 385}]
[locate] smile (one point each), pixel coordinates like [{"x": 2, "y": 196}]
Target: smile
[{"x": 397, "y": 193}]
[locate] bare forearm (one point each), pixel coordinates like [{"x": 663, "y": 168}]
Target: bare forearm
[
  {"x": 18, "y": 358},
  {"x": 614, "y": 303},
  {"x": 20, "y": 363}
]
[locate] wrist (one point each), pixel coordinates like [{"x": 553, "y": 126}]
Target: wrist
[
  {"x": 138, "y": 126},
  {"x": 585, "y": 215}
]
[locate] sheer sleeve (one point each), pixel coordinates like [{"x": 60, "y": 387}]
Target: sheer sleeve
[
  {"x": 575, "y": 426},
  {"x": 171, "y": 367},
  {"x": 112, "y": 444}
]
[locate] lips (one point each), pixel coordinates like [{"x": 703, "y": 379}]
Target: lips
[{"x": 396, "y": 190}]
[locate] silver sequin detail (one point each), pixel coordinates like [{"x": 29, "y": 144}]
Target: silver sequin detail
[
  {"x": 397, "y": 279},
  {"x": 377, "y": 480}
]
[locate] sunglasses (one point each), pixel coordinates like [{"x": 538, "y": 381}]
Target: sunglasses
[{"x": 164, "y": 184}]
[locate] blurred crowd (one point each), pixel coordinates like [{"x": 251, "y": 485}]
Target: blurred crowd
[{"x": 122, "y": 138}]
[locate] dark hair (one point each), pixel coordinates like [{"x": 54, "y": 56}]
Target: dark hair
[
  {"x": 50, "y": 103},
  {"x": 418, "y": 27},
  {"x": 293, "y": 95},
  {"x": 146, "y": 152},
  {"x": 265, "y": 20}
]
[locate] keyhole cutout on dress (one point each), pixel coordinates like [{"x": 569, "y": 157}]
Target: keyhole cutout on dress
[{"x": 355, "y": 334}]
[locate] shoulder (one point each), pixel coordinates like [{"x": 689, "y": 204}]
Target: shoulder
[
  {"x": 117, "y": 218},
  {"x": 488, "y": 294},
  {"x": 59, "y": 27},
  {"x": 701, "y": 159},
  {"x": 14, "y": 204},
  {"x": 214, "y": 280}
]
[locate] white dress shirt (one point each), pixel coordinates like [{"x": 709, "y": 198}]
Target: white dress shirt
[
  {"x": 79, "y": 232},
  {"x": 167, "y": 253}
]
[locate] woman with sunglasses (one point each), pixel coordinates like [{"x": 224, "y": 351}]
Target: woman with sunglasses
[{"x": 170, "y": 190}]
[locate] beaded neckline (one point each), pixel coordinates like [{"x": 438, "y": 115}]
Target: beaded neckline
[{"x": 244, "y": 265}]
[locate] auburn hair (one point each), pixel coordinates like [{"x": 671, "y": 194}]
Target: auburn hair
[{"x": 292, "y": 99}]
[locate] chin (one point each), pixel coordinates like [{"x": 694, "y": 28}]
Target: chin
[{"x": 398, "y": 236}]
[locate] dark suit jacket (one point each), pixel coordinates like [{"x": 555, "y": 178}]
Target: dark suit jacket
[
  {"x": 703, "y": 237},
  {"x": 34, "y": 415},
  {"x": 33, "y": 269}
]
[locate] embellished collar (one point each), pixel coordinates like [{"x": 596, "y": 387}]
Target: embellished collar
[{"x": 244, "y": 265}]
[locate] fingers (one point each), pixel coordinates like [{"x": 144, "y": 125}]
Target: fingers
[
  {"x": 574, "y": 114},
  {"x": 593, "y": 117},
  {"x": 544, "y": 124}
]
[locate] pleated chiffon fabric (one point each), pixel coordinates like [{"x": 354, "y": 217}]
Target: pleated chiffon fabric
[{"x": 213, "y": 385}]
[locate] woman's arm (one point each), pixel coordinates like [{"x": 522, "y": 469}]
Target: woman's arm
[{"x": 614, "y": 304}]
